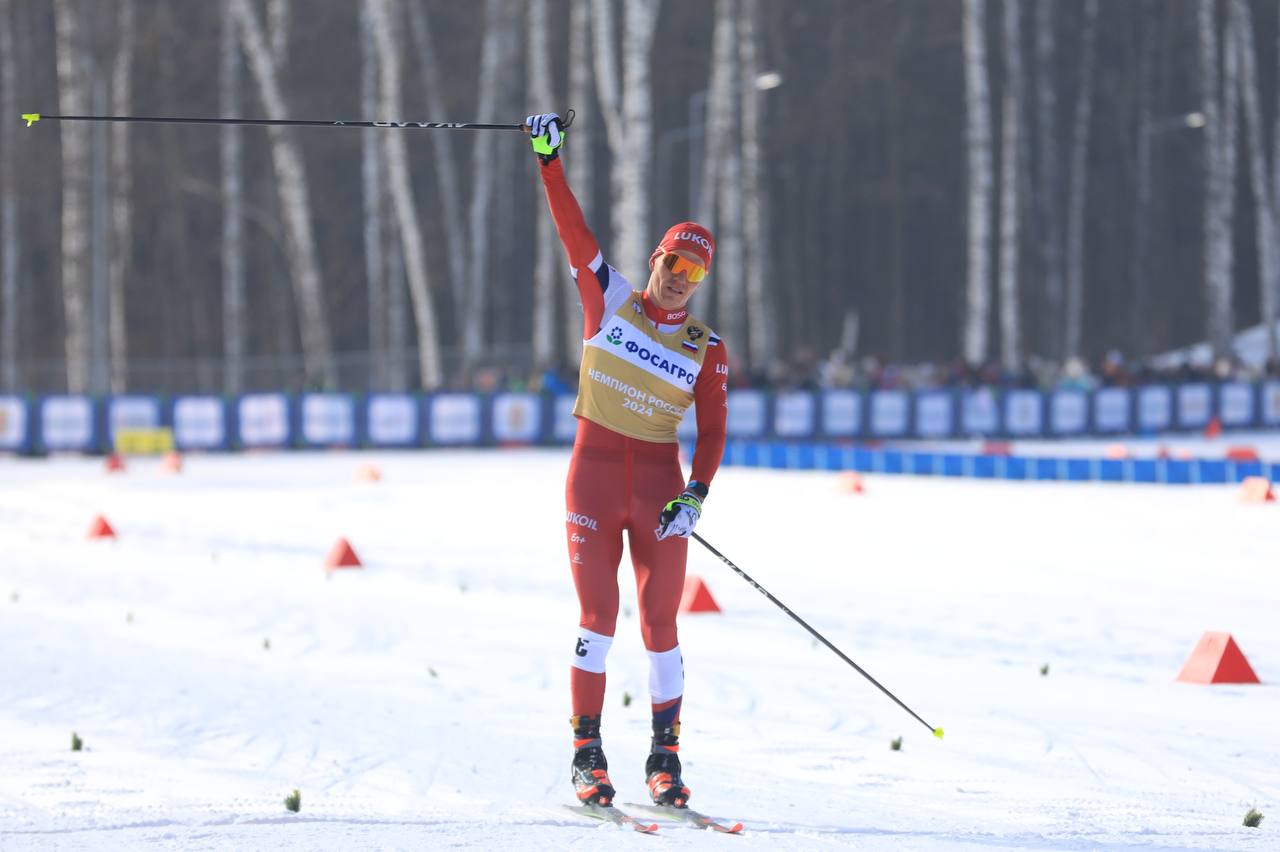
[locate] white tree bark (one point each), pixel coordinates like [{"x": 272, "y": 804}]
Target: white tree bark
[
  {"x": 494, "y": 49},
  {"x": 295, "y": 205},
  {"x": 980, "y": 184},
  {"x": 446, "y": 169},
  {"x": 1049, "y": 193},
  {"x": 121, "y": 196},
  {"x": 1260, "y": 175},
  {"x": 725, "y": 163},
  {"x": 628, "y": 111},
  {"x": 400, "y": 185},
  {"x": 1079, "y": 184},
  {"x": 373, "y": 191},
  {"x": 718, "y": 113},
  {"x": 1219, "y": 93},
  {"x": 233, "y": 256},
  {"x": 1010, "y": 192},
  {"x": 762, "y": 316},
  {"x": 9, "y": 245},
  {"x": 278, "y": 15},
  {"x": 580, "y": 167},
  {"x": 1139, "y": 258},
  {"x": 546, "y": 269},
  {"x": 73, "y": 100}
]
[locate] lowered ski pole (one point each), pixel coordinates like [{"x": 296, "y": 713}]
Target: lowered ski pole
[
  {"x": 32, "y": 117},
  {"x": 937, "y": 732}
]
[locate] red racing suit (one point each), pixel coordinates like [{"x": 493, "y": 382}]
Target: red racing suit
[{"x": 642, "y": 366}]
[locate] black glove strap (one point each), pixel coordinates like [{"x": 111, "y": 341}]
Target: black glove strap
[{"x": 699, "y": 489}]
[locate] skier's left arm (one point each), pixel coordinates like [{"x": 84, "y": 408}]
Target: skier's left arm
[{"x": 711, "y": 400}]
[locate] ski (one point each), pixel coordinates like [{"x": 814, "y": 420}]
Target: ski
[
  {"x": 690, "y": 816},
  {"x": 609, "y": 813}
]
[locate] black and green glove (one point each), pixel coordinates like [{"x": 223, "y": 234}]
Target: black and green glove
[
  {"x": 680, "y": 516},
  {"x": 546, "y": 132}
]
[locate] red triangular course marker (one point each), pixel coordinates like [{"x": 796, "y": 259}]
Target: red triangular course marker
[
  {"x": 1217, "y": 659},
  {"x": 697, "y": 597},
  {"x": 114, "y": 463},
  {"x": 101, "y": 529},
  {"x": 341, "y": 555},
  {"x": 1256, "y": 489}
]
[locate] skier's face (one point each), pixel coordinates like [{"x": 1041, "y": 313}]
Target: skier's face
[{"x": 672, "y": 290}]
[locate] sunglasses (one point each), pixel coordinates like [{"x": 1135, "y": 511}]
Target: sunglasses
[{"x": 693, "y": 272}]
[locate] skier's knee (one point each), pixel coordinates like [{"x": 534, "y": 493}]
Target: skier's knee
[{"x": 590, "y": 651}]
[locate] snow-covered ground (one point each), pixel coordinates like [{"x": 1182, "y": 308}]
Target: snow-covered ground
[{"x": 423, "y": 702}]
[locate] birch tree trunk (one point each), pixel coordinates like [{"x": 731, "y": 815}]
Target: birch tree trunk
[
  {"x": 762, "y": 318},
  {"x": 73, "y": 100},
  {"x": 122, "y": 196},
  {"x": 9, "y": 246},
  {"x": 628, "y": 108},
  {"x": 980, "y": 184},
  {"x": 295, "y": 205},
  {"x": 1010, "y": 172},
  {"x": 278, "y": 14},
  {"x": 233, "y": 254},
  {"x": 373, "y": 200},
  {"x": 717, "y": 113},
  {"x": 494, "y": 49},
  {"x": 400, "y": 185},
  {"x": 446, "y": 168},
  {"x": 1264, "y": 204},
  {"x": 545, "y": 268},
  {"x": 1049, "y": 193},
  {"x": 634, "y": 166},
  {"x": 1139, "y": 260},
  {"x": 1218, "y": 91},
  {"x": 731, "y": 308},
  {"x": 581, "y": 164},
  {"x": 1079, "y": 178}
]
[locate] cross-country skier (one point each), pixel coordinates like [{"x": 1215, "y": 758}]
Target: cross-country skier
[{"x": 644, "y": 362}]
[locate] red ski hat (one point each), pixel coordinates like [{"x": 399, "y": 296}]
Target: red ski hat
[{"x": 690, "y": 237}]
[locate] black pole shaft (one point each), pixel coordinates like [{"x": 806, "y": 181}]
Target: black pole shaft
[
  {"x": 937, "y": 732},
  {"x": 285, "y": 122}
]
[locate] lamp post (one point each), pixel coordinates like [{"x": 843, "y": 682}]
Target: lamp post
[{"x": 693, "y": 132}]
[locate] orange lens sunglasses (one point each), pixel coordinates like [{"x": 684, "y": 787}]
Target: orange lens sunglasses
[{"x": 693, "y": 272}]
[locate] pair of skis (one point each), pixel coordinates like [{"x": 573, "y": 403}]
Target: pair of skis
[{"x": 609, "y": 813}]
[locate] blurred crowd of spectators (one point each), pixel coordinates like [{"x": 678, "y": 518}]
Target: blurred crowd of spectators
[{"x": 807, "y": 370}]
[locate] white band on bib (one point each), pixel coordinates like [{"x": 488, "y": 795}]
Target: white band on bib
[
  {"x": 666, "y": 675},
  {"x": 590, "y": 651}
]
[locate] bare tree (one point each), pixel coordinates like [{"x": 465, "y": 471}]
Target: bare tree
[
  {"x": 1139, "y": 258},
  {"x": 1219, "y": 92},
  {"x": 233, "y": 256},
  {"x": 9, "y": 246},
  {"x": 1048, "y": 192},
  {"x": 1010, "y": 194},
  {"x": 373, "y": 191},
  {"x": 73, "y": 100},
  {"x": 762, "y": 317},
  {"x": 628, "y": 107},
  {"x": 724, "y": 163},
  {"x": 121, "y": 196},
  {"x": 980, "y": 191},
  {"x": 546, "y": 254},
  {"x": 291, "y": 177},
  {"x": 455, "y": 230},
  {"x": 1260, "y": 174},
  {"x": 581, "y": 166},
  {"x": 494, "y": 49},
  {"x": 1078, "y": 185},
  {"x": 400, "y": 185},
  {"x": 278, "y": 15}
]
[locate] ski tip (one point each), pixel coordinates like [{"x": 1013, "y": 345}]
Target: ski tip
[
  {"x": 30, "y": 118},
  {"x": 937, "y": 732}
]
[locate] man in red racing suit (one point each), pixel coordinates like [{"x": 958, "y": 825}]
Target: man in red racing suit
[{"x": 645, "y": 361}]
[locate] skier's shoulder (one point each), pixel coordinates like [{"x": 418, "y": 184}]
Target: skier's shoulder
[{"x": 700, "y": 332}]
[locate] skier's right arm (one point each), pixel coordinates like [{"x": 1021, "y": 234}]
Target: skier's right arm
[{"x": 600, "y": 286}]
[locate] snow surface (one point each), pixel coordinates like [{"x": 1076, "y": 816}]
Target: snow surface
[{"x": 422, "y": 702}]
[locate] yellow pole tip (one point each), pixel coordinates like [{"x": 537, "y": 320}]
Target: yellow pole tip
[
  {"x": 937, "y": 732},
  {"x": 30, "y": 118}
]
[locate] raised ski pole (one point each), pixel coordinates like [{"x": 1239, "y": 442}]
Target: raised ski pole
[
  {"x": 32, "y": 117},
  {"x": 937, "y": 732}
]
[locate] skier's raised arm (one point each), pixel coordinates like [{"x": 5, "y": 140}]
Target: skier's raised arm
[{"x": 600, "y": 286}]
